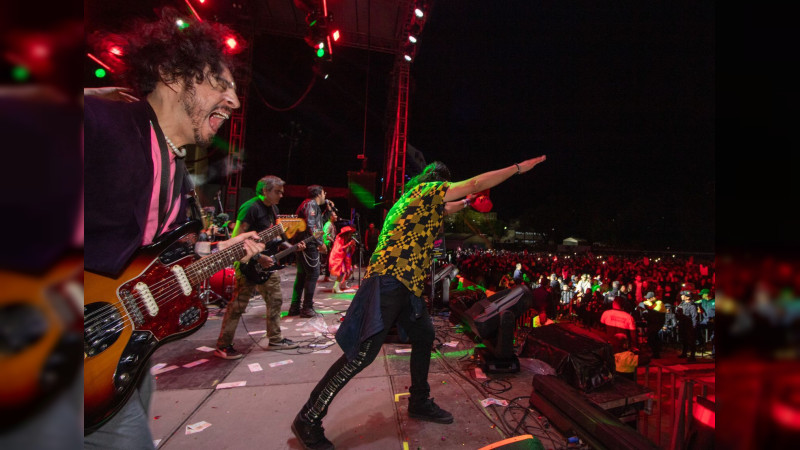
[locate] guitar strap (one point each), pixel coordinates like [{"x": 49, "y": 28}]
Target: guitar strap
[{"x": 165, "y": 206}]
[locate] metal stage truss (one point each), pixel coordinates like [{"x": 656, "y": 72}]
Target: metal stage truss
[{"x": 390, "y": 22}]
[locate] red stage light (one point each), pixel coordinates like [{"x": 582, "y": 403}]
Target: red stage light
[
  {"x": 231, "y": 43},
  {"x": 335, "y": 35},
  {"x": 115, "y": 51}
]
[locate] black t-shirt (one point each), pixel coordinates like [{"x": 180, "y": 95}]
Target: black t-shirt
[{"x": 258, "y": 215}]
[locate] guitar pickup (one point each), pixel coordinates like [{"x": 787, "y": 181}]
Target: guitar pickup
[
  {"x": 183, "y": 281},
  {"x": 147, "y": 297}
]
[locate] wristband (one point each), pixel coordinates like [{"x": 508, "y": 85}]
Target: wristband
[{"x": 519, "y": 170}]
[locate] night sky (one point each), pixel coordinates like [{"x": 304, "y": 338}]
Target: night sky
[{"x": 619, "y": 96}]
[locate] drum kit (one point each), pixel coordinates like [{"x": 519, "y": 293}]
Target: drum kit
[{"x": 219, "y": 288}]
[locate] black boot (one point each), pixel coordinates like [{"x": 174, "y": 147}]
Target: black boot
[
  {"x": 308, "y": 311},
  {"x": 311, "y": 436},
  {"x": 294, "y": 309},
  {"x": 428, "y": 410}
]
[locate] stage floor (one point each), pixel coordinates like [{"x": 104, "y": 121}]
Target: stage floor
[{"x": 269, "y": 387}]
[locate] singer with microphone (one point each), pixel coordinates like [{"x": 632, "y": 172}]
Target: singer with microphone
[{"x": 312, "y": 210}]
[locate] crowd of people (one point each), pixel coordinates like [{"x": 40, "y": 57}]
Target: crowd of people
[{"x": 652, "y": 300}]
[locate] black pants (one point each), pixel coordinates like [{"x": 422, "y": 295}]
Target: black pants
[
  {"x": 688, "y": 338},
  {"x": 305, "y": 283},
  {"x": 323, "y": 261},
  {"x": 395, "y": 307},
  {"x": 654, "y": 341}
]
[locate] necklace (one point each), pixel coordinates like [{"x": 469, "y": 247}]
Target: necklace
[{"x": 179, "y": 152}]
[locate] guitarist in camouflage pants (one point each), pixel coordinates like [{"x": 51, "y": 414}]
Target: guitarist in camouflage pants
[{"x": 256, "y": 214}]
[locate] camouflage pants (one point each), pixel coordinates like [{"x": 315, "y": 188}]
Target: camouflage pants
[{"x": 270, "y": 292}]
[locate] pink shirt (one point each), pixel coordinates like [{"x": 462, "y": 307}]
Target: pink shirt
[{"x": 152, "y": 215}]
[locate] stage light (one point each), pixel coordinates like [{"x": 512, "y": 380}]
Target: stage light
[
  {"x": 231, "y": 43},
  {"x": 412, "y": 39},
  {"x": 115, "y": 50},
  {"x": 181, "y": 24},
  {"x": 100, "y": 73},
  {"x": 20, "y": 73},
  {"x": 335, "y": 35},
  {"x": 408, "y": 51},
  {"x": 418, "y": 12}
]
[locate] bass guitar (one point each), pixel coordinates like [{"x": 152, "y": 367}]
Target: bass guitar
[
  {"x": 257, "y": 274},
  {"x": 154, "y": 300}
]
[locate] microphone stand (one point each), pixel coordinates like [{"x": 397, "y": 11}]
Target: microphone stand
[
  {"x": 357, "y": 221},
  {"x": 219, "y": 201}
]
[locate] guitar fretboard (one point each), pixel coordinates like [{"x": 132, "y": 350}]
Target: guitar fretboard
[{"x": 208, "y": 266}]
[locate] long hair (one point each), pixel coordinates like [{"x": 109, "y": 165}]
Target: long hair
[
  {"x": 435, "y": 171},
  {"x": 163, "y": 50}
]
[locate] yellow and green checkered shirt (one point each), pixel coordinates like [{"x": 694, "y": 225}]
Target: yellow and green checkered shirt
[{"x": 405, "y": 244}]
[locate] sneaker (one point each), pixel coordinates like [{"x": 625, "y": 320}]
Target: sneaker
[
  {"x": 293, "y": 311},
  {"x": 307, "y": 313},
  {"x": 283, "y": 344},
  {"x": 228, "y": 353},
  {"x": 311, "y": 436},
  {"x": 430, "y": 411}
]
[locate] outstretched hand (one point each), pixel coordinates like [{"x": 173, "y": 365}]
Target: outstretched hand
[{"x": 529, "y": 164}]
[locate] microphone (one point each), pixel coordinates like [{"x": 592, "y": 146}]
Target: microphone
[{"x": 331, "y": 207}]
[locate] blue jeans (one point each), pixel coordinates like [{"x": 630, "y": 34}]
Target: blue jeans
[
  {"x": 130, "y": 427},
  {"x": 396, "y": 307}
]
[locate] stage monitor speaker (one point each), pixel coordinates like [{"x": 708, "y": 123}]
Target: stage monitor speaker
[
  {"x": 581, "y": 361},
  {"x": 493, "y": 320},
  {"x": 523, "y": 442},
  {"x": 484, "y": 315}
]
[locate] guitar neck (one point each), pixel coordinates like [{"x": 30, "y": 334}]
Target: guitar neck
[
  {"x": 283, "y": 253},
  {"x": 208, "y": 266}
]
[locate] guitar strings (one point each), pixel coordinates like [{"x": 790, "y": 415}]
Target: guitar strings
[
  {"x": 207, "y": 262},
  {"x": 192, "y": 275},
  {"x": 204, "y": 263}
]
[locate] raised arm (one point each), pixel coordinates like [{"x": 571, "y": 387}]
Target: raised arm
[{"x": 486, "y": 180}]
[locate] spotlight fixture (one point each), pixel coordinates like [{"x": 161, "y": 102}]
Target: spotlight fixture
[
  {"x": 414, "y": 31},
  {"x": 408, "y": 50}
]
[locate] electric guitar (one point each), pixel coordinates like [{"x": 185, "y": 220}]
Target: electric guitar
[
  {"x": 40, "y": 337},
  {"x": 154, "y": 301},
  {"x": 256, "y": 273}
]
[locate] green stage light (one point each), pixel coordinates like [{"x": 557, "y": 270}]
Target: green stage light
[{"x": 20, "y": 73}]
